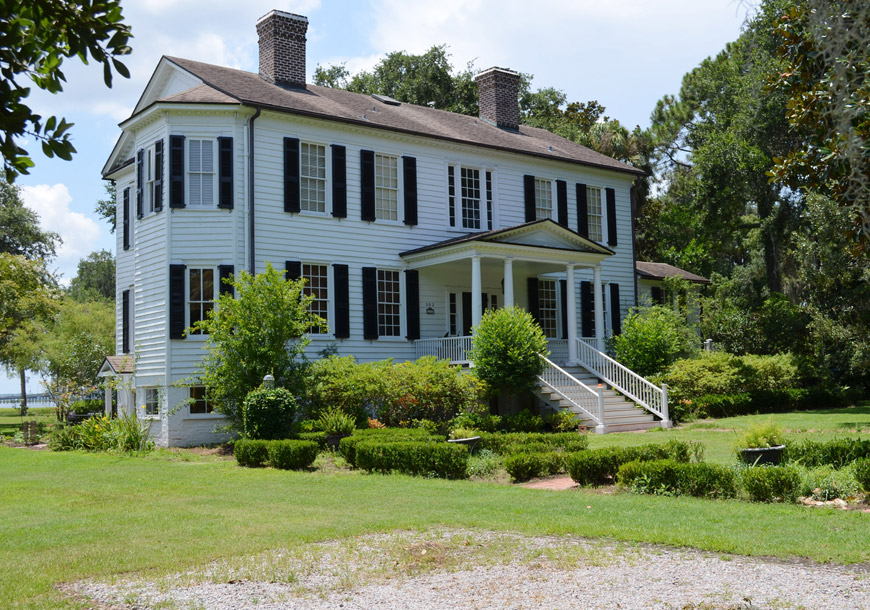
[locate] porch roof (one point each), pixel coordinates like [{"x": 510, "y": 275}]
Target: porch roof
[
  {"x": 116, "y": 365},
  {"x": 537, "y": 240}
]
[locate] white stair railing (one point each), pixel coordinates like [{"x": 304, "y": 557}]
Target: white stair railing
[
  {"x": 578, "y": 394},
  {"x": 454, "y": 349},
  {"x": 642, "y": 391}
]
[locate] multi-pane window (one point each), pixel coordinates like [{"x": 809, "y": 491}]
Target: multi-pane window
[
  {"x": 453, "y": 314},
  {"x": 150, "y": 173},
  {"x": 470, "y": 185},
  {"x": 316, "y": 285},
  {"x": 200, "y": 173},
  {"x": 451, "y": 194},
  {"x": 386, "y": 188},
  {"x": 200, "y": 295},
  {"x": 593, "y": 207},
  {"x": 389, "y": 304},
  {"x": 152, "y": 401},
  {"x": 199, "y": 400},
  {"x": 547, "y": 306},
  {"x": 543, "y": 198},
  {"x": 312, "y": 177},
  {"x": 489, "y": 200}
]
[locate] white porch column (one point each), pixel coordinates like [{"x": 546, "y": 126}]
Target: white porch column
[
  {"x": 508, "y": 282},
  {"x": 599, "y": 307},
  {"x": 571, "y": 304},
  {"x": 476, "y": 288}
]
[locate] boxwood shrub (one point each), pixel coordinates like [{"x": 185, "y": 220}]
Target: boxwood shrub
[
  {"x": 446, "y": 460},
  {"x": 251, "y": 453},
  {"x": 668, "y": 477},
  {"x": 599, "y": 466},
  {"x": 771, "y": 483},
  {"x": 839, "y": 452},
  {"x": 292, "y": 454},
  {"x": 347, "y": 446},
  {"x": 524, "y": 466},
  {"x": 532, "y": 442},
  {"x": 862, "y": 473}
]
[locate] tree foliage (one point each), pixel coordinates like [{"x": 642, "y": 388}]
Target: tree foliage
[
  {"x": 38, "y": 35},
  {"x": 107, "y": 207},
  {"x": 652, "y": 339},
  {"x": 20, "y": 232},
  {"x": 95, "y": 278}
]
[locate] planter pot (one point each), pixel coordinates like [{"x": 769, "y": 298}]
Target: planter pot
[
  {"x": 471, "y": 442},
  {"x": 332, "y": 440},
  {"x": 762, "y": 455}
]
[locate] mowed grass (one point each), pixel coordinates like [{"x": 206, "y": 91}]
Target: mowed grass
[
  {"x": 68, "y": 516},
  {"x": 10, "y": 420}
]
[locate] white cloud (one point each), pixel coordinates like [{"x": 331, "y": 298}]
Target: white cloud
[{"x": 79, "y": 233}]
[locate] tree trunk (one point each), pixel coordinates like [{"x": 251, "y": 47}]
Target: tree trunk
[{"x": 23, "y": 392}]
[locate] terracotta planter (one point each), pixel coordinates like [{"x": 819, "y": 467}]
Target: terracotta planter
[{"x": 762, "y": 455}]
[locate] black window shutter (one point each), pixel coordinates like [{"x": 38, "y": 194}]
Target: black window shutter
[
  {"x": 176, "y": 301},
  {"x": 563, "y": 302},
  {"x": 225, "y": 173},
  {"x": 658, "y": 297},
  {"x": 562, "y": 202},
  {"x": 125, "y": 322},
  {"x": 158, "y": 176},
  {"x": 140, "y": 166},
  {"x": 466, "y": 314},
  {"x": 226, "y": 272},
  {"x": 611, "y": 216},
  {"x": 534, "y": 307},
  {"x": 412, "y": 292},
  {"x": 484, "y": 302},
  {"x": 367, "y": 184},
  {"x": 176, "y": 171},
  {"x": 294, "y": 270},
  {"x": 126, "y": 222},
  {"x": 409, "y": 169},
  {"x": 341, "y": 291},
  {"x": 291, "y": 174},
  {"x": 615, "y": 313},
  {"x": 370, "y": 302},
  {"x": 587, "y": 309},
  {"x": 339, "y": 181},
  {"x": 582, "y": 211},
  {"x": 529, "y": 192}
]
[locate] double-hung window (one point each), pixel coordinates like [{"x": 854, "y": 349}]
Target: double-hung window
[
  {"x": 312, "y": 177},
  {"x": 200, "y": 404},
  {"x": 201, "y": 295},
  {"x": 469, "y": 197},
  {"x": 317, "y": 286},
  {"x": 152, "y": 401},
  {"x": 150, "y": 175},
  {"x": 386, "y": 187},
  {"x": 547, "y": 307},
  {"x": 389, "y": 304},
  {"x": 543, "y": 198},
  {"x": 201, "y": 175},
  {"x": 594, "y": 212},
  {"x": 470, "y": 190}
]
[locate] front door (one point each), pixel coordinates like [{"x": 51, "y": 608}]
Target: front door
[{"x": 489, "y": 300}]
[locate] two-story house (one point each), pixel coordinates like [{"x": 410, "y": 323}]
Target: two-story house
[{"x": 407, "y": 222}]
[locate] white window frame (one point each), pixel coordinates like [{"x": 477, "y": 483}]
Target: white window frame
[
  {"x": 399, "y": 304},
  {"x": 555, "y": 308},
  {"x": 544, "y": 185},
  {"x": 209, "y": 412},
  {"x": 151, "y": 399},
  {"x": 187, "y": 287},
  {"x": 322, "y": 181},
  {"x": 190, "y": 173},
  {"x": 382, "y": 189},
  {"x": 306, "y": 290},
  {"x": 149, "y": 175},
  {"x": 596, "y": 225},
  {"x": 456, "y": 198}
]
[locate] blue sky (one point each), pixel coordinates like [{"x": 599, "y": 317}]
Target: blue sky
[{"x": 625, "y": 54}]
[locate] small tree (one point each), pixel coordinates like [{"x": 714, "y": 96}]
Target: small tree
[
  {"x": 263, "y": 330},
  {"x": 652, "y": 339},
  {"x": 506, "y": 349}
]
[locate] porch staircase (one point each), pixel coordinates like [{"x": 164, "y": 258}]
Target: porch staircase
[{"x": 560, "y": 392}]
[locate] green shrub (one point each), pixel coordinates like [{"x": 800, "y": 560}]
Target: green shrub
[
  {"x": 710, "y": 373},
  {"x": 89, "y": 405},
  {"x": 484, "y": 463},
  {"x": 347, "y": 446},
  {"x": 669, "y": 477},
  {"x": 317, "y": 437},
  {"x": 62, "y": 437},
  {"x": 101, "y": 433},
  {"x": 524, "y": 421},
  {"x": 251, "y": 453},
  {"x": 599, "y": 466},
  {"x": 563, "y": 421},
  {"x": 268, "y": 413},
  {"x": 524, "y": 466},
  {"x": 771, "y": 483},
  {"x": 459, "y": 433},
  {"x": 308, "y": 425},
  {"x": 446, "y": 460},
  {"x": 517, "y": 442},
  {"x": 506, "y": 350},
  {"x": 476, "y": 421},
  {"x": 773, "y": 372},
  {"x": 291, "y": 454},
  {"x": 761, "y": 435},
  {"x": 653, "y": 338},
  {"x": 826, "y": 483},
  {"x": 861, "y": 470},
  {"x": 838, "y": 453},
  {"x": 357, "y": 388},
  {"x": 334, "y": 421}
]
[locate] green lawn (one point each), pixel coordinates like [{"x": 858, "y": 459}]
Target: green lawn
[
  {"x": 67, "y": 516},
  {"x": 10, "y": 420}
]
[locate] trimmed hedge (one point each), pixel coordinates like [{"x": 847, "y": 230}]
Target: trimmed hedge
[
  {"x": 532, "y": 442},
  {"x": 317, "y": 437},
  {"x": 771, "y": 483},
  {"x": 524, "y": 466},
  {"x": 838, "y": 453},
  {"x": 599, "y": 466},
  {"x": 760, "y": 401},
  {"x": 292, "y": 454},
  {"x": 446, "y": 460},
  {"x": 668, "y": 477},
  {"x": 347, "y": 445},
  {"x": 251, "y": 453}
]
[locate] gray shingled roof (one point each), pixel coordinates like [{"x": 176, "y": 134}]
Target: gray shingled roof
[
  {"x": 121, "y": 364},
  {"x": 660, "y": 271},
  {"x": 227, "y": 85}
]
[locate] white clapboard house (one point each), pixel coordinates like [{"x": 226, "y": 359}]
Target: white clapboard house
[{"x": 407, "y": 223}]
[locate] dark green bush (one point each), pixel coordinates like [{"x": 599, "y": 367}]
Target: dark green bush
[
  {"x": 524, "y": 466},
  {"x": 599, "y": 466},
  {"x": 251, "y": 453},
  {"x": 89, "y": 405},
  {"x": 528, "y": 442},
  {"x": 838, "y": 453},
  {"x": 357, "y": 388},
  {"x": 317, "y": 437},
  {"x": 652, "y": 338},
  {"x": 476, "y": 421},
  {"x": 669, "y": 477},
  {"x": 347, "y": 446},
  {"x": 444, "y": 460},
  {"x": 771, "y": 483},
  {"x": 524, "y": 421},
  {"x": 862, "y": 473},
  {"x": 292, "y": 454},
  {"x": 268, "y": 413}
]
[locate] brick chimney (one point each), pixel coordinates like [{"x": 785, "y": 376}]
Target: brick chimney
[
  {"x": 282, "y": 48},
  {"x": 497, "y": 91}
]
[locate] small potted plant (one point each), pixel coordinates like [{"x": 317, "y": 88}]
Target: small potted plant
[
  {"x": 337, "y": 424},
  {"x": 761, "y": 444},
  {"x": 465, "y": 436}
]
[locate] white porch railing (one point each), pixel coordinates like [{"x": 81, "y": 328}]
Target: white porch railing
[
  {"x": 558, "y": 349},
  {"x": 454, "y": 349},
  {"x": 580, "y": 395},
  {"x": 651, "y": 397}
]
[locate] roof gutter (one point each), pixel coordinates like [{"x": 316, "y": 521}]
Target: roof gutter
[{"x": 251, "y": 232}]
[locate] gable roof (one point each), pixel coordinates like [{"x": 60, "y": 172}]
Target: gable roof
[
  {"x": 222, "y": 85},
  {"x": 660, "y": 271},
  {"x": 114, "y": 365}
]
